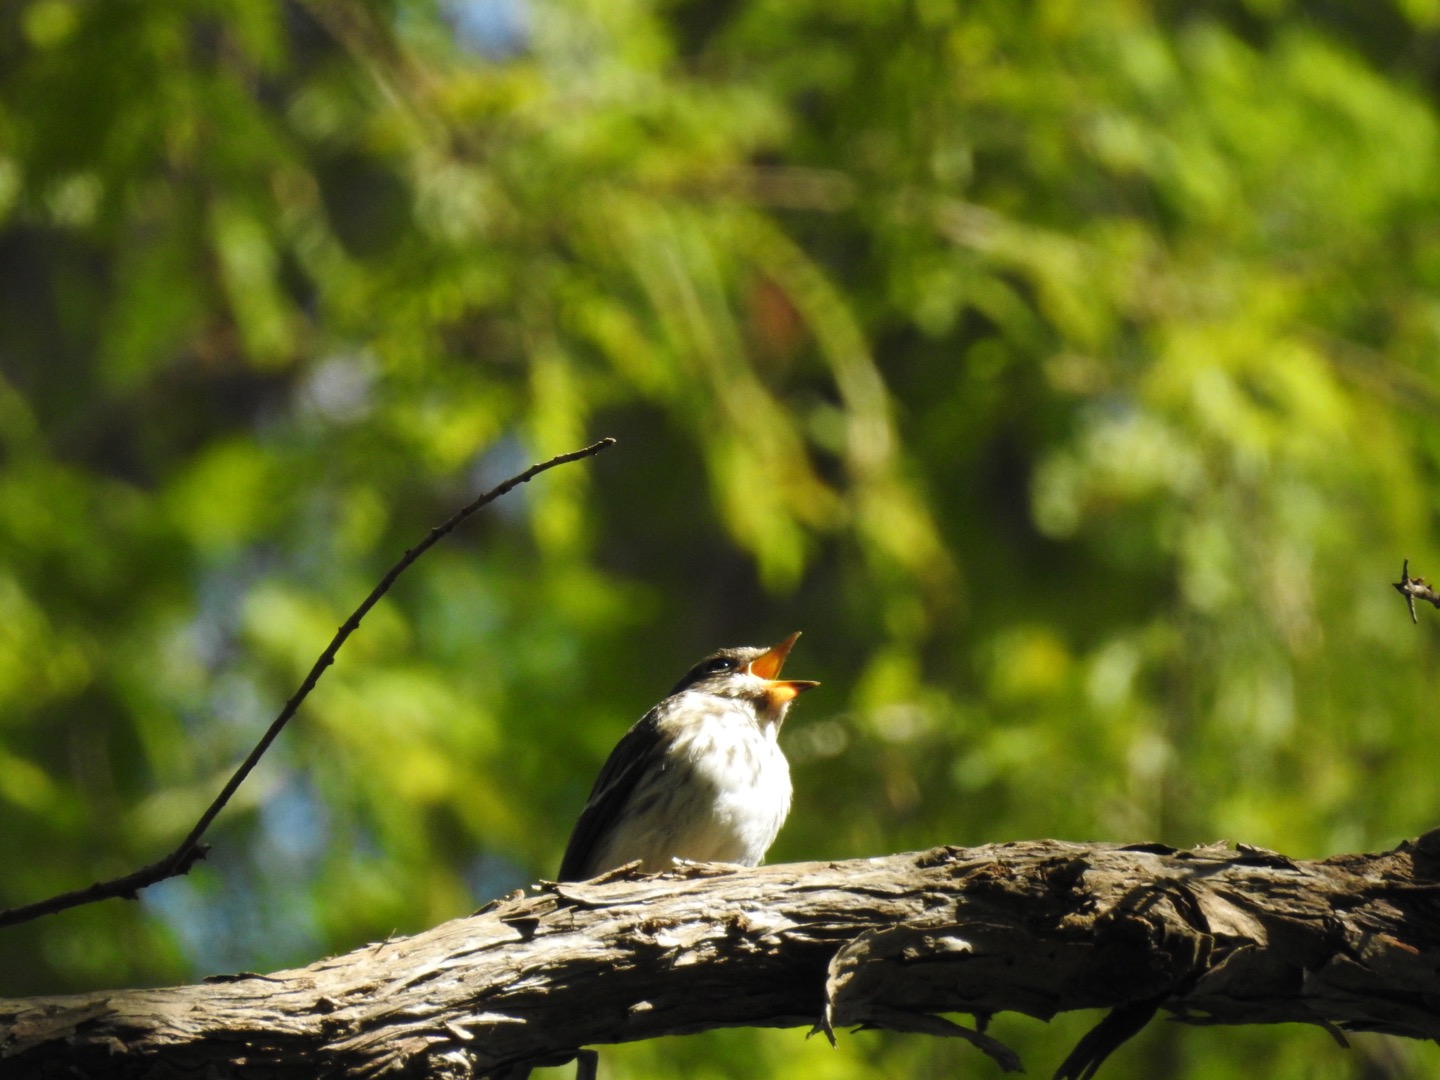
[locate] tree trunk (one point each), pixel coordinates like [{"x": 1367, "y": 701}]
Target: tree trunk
[{"x": 1212, "y": 935}]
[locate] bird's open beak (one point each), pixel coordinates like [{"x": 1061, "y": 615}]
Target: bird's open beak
[{"x": 768, "y": 664}]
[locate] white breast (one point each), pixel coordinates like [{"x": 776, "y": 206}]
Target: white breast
[{"x": 721, "y": 796}]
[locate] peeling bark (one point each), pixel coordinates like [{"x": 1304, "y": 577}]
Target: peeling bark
[{"x": 1212, "y": 935}]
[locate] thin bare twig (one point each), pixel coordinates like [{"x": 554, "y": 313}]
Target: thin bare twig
[
  {"x": 190, "y": 849},
  {"x": 1413, "y": 589}
]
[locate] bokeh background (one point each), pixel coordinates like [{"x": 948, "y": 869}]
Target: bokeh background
[{"x": 1066, "y": 371}]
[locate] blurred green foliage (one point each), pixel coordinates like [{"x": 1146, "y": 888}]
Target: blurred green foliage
[{"x": 1066, "y": 371}]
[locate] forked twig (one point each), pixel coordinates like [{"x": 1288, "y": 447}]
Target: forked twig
[
  {"x": 190, "y": 849},
  {"x": 1415, "y": 589}
]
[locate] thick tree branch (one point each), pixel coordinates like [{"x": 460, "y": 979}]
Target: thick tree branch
[
  {"x": 1211, "y": 935},
  {"x": 190, "y": 849}
]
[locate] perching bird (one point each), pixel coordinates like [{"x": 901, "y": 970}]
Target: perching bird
[{"x": 700, "y": 777}]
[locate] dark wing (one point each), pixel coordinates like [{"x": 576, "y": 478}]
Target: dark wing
[{"x": 641, "y": 749}]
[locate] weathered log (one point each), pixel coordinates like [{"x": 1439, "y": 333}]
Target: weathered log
[{"x": 1212, "y": 935}]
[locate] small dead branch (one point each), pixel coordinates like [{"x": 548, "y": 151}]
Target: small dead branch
[
  {"x": 1414, "y": 589},
  {"x": 190, "y": 849}
]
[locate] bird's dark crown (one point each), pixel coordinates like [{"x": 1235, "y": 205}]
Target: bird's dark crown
[{"x": 717, "y": 668}]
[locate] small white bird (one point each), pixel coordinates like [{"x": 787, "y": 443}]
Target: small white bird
[{"x": 701, "y": 777}]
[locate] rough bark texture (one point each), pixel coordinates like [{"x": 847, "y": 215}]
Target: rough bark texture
[{"x": 1215, "y": 936}]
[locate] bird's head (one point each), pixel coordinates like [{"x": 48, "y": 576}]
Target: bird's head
[{"x": 749, "y": 674}]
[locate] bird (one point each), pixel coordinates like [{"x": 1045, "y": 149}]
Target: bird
[{"x": 700, "y": 777}]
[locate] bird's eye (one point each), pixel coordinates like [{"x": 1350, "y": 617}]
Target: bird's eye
[{"x": 719, "y": 664}]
